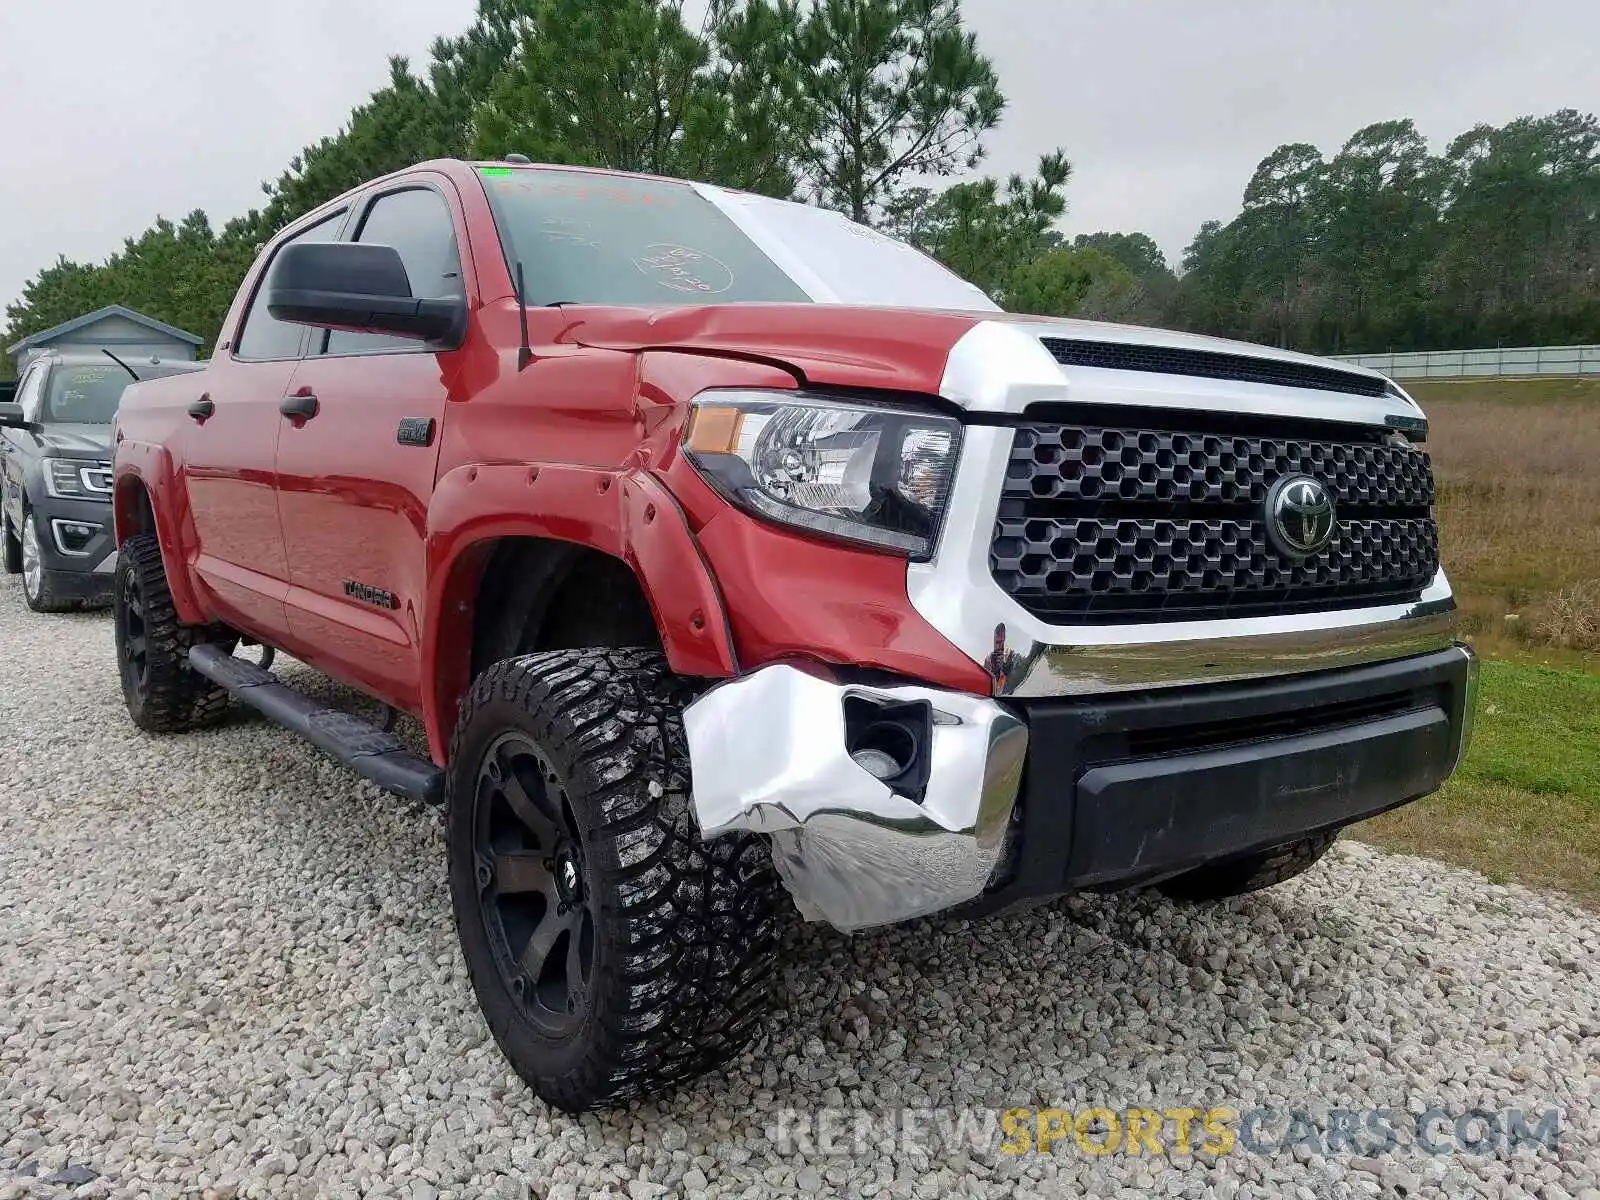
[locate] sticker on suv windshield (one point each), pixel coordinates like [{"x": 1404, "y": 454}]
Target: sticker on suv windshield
[{"x": 683, "y": 269}]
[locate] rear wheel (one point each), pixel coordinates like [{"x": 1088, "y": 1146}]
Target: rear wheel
[
  {"x": 36, "y": 588},
  {"x": 10, "y": 548},
  {"x": 163, "y": 694},
  {"x": 1250, "y": 873},
  {"x": 612, "y": 951}
]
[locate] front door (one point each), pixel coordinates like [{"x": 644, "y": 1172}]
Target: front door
[
  {"x": 13, "y": 460},
  {"x": 228, "y": 454},
  {"x": 356, "y": 478}
]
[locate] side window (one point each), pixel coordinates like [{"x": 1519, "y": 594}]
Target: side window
[
  {"x": 261, "y": 335},
  {"x": 417, "y": 223},
  {"x": 30, "y": 392}
]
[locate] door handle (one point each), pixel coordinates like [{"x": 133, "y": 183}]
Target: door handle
[
  {"x": 202, "y": 408},
  {"x": 300, "y": 407}
]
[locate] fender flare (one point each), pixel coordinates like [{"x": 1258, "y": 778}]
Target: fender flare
[
  {"x": 625, "y": 513},
  {"x": 147, "y": 470}
]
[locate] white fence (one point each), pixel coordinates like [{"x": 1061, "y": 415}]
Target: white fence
[{"x": 1465, "y": 364}]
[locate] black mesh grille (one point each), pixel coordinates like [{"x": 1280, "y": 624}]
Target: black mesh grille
[
  {"x": 1088, "y": 463},
  {"x": 1099, "y": 523},
  {"x": 1209, "y": 364}
]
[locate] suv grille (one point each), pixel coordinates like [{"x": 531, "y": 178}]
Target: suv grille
[
  {"x": 1115, "y": 522},
  {"x": 1208, "y": 364}
]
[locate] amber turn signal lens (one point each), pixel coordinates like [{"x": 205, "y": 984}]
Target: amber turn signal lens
[{"x": 714, "y": 429}]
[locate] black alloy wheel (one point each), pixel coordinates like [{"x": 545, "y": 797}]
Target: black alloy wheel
[
  {"x": 133, "y": 637},
  {"x": 536, "y": 901},
  {"x": 614, "y": 951}
]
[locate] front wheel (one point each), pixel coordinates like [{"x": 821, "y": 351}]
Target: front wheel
[
  {"x": 36, "y": 587},
  {"x": 612, "y": 951}
]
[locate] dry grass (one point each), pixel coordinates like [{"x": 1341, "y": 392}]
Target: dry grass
[
  {"x": 1518, "y": 467},
  {"x": 1518, "y": 470}
]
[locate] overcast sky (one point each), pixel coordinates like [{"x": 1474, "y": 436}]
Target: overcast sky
[{"x": 117, "y": 112}]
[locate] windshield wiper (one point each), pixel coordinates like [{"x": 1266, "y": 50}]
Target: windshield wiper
[{"x": 120, "y": 363}]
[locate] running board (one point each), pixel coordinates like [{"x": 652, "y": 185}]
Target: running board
[{"x": 360, "y": 745}]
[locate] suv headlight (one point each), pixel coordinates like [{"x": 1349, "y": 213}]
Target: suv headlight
[
  {"x": 74, "y": 479},
  {"x": 839, "y": 468}
]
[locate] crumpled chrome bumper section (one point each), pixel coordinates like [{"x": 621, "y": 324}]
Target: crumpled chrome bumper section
[{"x": 768, "y": 754}]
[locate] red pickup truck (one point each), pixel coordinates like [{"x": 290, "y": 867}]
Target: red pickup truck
[{"x": 718, "y": 542}]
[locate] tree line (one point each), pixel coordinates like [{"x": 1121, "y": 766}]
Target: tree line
[{"x": 857, "y": 104}]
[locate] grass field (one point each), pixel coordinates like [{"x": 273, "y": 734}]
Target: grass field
[{"x": 1518, "y": 469}]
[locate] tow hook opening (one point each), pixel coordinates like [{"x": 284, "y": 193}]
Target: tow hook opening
[{"x": 889, "y": 741}]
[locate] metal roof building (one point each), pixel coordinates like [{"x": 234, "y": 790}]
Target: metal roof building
[{"x": 121, "y": 330}]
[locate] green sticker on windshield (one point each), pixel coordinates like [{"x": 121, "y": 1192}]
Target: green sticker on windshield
[{"x": 494, "y": 171}]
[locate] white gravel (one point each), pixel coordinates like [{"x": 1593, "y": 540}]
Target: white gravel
[{"x": 228, "y": 967}]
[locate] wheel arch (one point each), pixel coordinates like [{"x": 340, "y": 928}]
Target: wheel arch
[
  {"x": 530, "y": 545},
  {"x": 132, "y": 510},
  {"x": 141, "y": 503}
]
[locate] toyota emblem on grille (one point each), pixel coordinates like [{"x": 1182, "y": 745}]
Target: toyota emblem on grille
[{"x": 1300, "y": 516}]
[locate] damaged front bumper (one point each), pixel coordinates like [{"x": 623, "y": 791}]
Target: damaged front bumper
[
  {"x": 781, "y": 752},
  {"x": 1002, "y": 804}
]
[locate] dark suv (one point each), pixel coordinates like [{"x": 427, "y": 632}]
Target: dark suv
[{"x": 55, "y": 475}]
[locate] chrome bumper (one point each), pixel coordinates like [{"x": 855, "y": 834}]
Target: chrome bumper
[{"x": 768, "y": 755}]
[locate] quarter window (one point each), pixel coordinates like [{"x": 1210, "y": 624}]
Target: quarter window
[
  {"x": 31, "y": 391},
  {"x": 417, "y": 223},
  {"x": 263, "y": 336}
]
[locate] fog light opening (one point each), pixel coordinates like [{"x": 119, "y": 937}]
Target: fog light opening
[
  {"x": 884, "y": 750},
  {"x": 890, "y": 742},
  {"x": 73, "y": 537}
]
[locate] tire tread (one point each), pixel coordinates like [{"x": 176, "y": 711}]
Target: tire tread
[
  {"x": 689, "y": 924},
  {"x": 178, "y": 699}
]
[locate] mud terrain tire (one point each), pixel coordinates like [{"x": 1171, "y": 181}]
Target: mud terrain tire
[
  {"x": 614, "y": 953},
  {"x": 162, "y": 693}
]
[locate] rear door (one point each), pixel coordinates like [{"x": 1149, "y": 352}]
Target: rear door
[
  {"x": 355, "y": 480},
  {"x": 228, "y": 457},
  {"x": 18, "y": 446}
]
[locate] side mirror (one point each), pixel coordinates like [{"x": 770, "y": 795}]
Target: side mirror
[
  {"x": 362, "y": 288},
  {"x": 11, "y": 417}
]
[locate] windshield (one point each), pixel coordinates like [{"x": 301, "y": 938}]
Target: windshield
[
  {"x": 587, "y": 238},
  {"x": 85, "y": 395},
  {"x": 584, "y": 238}
]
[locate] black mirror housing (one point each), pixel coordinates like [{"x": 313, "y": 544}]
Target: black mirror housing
[
  {"x": 11, "y": 417},
  {"x": 361, "y": 288}
]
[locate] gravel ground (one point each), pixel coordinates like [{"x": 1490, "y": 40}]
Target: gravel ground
[{"x": 227, "y": 967}]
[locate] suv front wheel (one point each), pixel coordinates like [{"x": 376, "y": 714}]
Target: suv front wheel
[
  {"x": 36, "y": 589},
  {"x": 612, "y": 951}
]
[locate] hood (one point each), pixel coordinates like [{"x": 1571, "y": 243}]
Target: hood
[
  {"x": 75, "y": 441},
  {"x": 932, "y": 351},
  {"x": 843, "y": 345}
]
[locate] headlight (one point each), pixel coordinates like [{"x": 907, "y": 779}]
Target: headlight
[
  {"x": 846, "y": 470},
  {"x": 74, "y": 479}
]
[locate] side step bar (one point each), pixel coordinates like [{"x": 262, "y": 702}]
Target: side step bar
[{"x": 360, "y": 745}]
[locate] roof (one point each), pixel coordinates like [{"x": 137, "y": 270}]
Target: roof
[{"x": 110, "y": 310}]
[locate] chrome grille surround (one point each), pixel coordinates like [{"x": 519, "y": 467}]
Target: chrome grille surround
[{"x": 998, "y": 372}]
